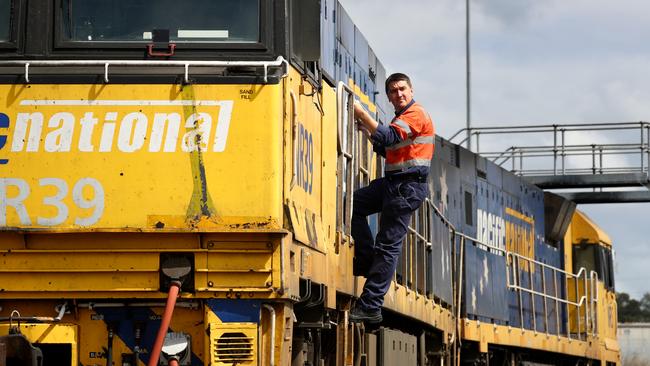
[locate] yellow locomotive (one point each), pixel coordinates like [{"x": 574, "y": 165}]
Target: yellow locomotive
[{"x": 176, "y": 184}]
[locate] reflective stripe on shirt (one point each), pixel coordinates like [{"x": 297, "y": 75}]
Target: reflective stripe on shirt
[
  {"x": 408, "y": 163},
  {"x": 404, "y": 126},
  {"x": 416, "y": 141}
]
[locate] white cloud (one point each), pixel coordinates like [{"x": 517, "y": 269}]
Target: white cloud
[{"x": 504, "y": 13}]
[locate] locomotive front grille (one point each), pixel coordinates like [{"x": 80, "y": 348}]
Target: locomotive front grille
[{"x": 234, "y": 348}]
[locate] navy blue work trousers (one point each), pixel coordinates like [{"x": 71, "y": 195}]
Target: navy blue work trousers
[{"x": 376, "y": 258}]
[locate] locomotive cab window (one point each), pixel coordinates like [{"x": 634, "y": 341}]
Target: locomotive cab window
[
  {"x": 584, "y": 256},
  {"x": 188, "y": 21},
  {"x": 595, "y": 258},
  {"x": 607, "y": 264}
]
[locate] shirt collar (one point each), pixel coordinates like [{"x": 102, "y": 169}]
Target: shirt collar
[{"x": 399, "y": 113}]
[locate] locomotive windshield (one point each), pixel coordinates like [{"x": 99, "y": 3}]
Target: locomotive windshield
[
  {"x": 5, "y": 19},
  {"x": 595, "y": 258},
  {"x": 133, "y": 20}
]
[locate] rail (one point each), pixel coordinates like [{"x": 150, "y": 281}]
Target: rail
[
  {"x": 294, "y": 139},
  {"x": 90, "y": 66},
  {"x": 553, "y": 288},
  {"x": 632, "y": 140},
  {"x": 584, "y": 301},
  {"x": 346, "y": 146},
  {"x": 593, "y": 288}
]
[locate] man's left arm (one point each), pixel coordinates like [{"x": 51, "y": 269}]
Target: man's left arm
[{"x": 367, "y": 122}]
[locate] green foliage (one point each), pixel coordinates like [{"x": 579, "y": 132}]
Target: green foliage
[{"x": 632, "y": 310}]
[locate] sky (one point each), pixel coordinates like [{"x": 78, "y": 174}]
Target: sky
[{"x": 532, "y": 62}]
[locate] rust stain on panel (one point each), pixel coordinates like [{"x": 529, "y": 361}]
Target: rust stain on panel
[{"x": 201, "y": 204}]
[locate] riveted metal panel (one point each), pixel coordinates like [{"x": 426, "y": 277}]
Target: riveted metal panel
[
  {"x": 361, "y": 50},
  {"x": 373, "y": 79},
  {"x": 372, "y": 91},
  {"x": 481, "y": 166},
  {"x": 498, "y": 304},
  {"x": 471, "y": 200},
  {"x": 345, "y": 28},
  {"x": 439, "y": 262},
  {"x": 338, "y": 60},
  {"x": 328, "y": 36},
  {"x": 382, "y": 98},
  {"x": 306, "y": 21},
  {"x": 478, "y": 282},
  {"x": 471, "y": 294},
  {"x": 346, "y": 64},
  {"x": 468, "y": 183},
  {"x": 442, "y": 176},
  {"x": 512, "y": 184},
  {"x": 495, "y": 174},
  {"x": 397, "y": 348},
  {"x": 361, "y": 79},
  {"x": 372, "y": 60},
  {"x": 446, "y": 183},
  {"x": 485, "y": 285}
]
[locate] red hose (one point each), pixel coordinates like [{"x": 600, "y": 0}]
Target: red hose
[{"x": 174, "y": 289}]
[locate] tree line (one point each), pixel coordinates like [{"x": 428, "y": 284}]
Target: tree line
[{"x": 631, "y": 310}]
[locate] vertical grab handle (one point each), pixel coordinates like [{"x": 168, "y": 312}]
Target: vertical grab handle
[
  {"x": 294, "y": 137},
  {"x": 346, "y": 150},
  {"x": 272, "y": 345}
]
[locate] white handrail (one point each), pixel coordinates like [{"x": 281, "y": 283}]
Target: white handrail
[
  {"x": 593, "y": 293},
  {"x": 346, "y": 154},
  {"x": 294, "y": 136},
  {"x": 512, "y": 257},
  {"x": 105, "y": 64}
]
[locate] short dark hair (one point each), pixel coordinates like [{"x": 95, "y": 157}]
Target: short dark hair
[{"x": 398, "y": 76}]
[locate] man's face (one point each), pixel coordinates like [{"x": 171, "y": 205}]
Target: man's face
[{"x": 400, "y": 94}]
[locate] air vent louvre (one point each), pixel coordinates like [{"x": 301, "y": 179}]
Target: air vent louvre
[{"x": 234, "y": 347}]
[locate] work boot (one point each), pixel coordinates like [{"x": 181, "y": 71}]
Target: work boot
[{"x": 358, "y": 315}]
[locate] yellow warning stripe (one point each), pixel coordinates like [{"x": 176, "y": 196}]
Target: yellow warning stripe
[{"x": 520, "y": 216}]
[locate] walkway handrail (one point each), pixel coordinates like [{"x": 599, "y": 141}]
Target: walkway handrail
[
  {"x": 585, "y": 300},
  {"x": 627, "y": 143}
]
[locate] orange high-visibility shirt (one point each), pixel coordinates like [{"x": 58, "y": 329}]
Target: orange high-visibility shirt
[{"x": 416, "y": 130}]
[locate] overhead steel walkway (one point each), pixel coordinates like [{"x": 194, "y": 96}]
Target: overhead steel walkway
[{"x": 587, "y": 163}]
